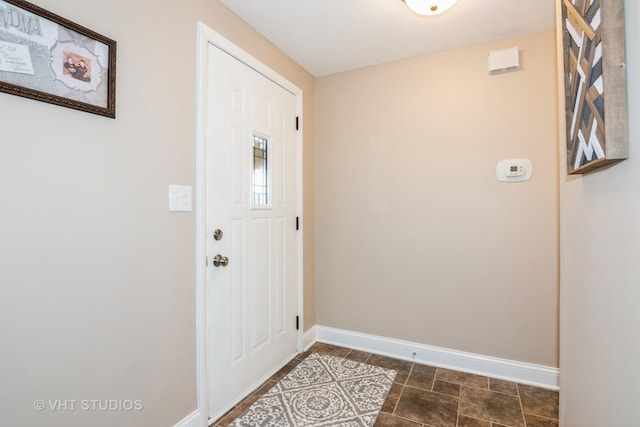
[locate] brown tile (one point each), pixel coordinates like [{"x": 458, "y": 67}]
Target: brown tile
[
  {"x": 358, "y": 356},
  {"x": 330, "y": 349},
  {"x": 400, "y": 366},
  {"x": 422, "y": 376},
  {"x": 447, "y": 388},
  {"x": 539, "y": 401},
  {"x": 392, "y": 399},
  {"x": 503, "y": 386},
  {"x": 303, "y": 355},
  {"x": 227, "y": 418},
  {"x": 237, "y": 411},
  {"x": 489, "y": 405},
  {"x": 472, "y": 422},
  {"x": 285, "y": 369},
  {"x": 536, "y": 421},
  {"x": 462, "y": 378},
  {"x": 426, "y": 407},
  {"x": 224, "y": 422},
  {"x": 386, "y": 420},
  {"x": 264, "y": 388}
]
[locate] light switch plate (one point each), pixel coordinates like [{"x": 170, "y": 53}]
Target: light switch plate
[{"x": 180, "y": 198}]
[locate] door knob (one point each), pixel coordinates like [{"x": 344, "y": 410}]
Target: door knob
[{"x": 220, "y": 261}]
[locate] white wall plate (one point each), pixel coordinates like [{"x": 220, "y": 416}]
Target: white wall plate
[
  {"x": 514, "y": 170},
  {"x": 180, "y": 198}
]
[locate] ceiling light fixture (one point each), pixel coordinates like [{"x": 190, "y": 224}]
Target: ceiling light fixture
[{"x": 430, "y": 7}]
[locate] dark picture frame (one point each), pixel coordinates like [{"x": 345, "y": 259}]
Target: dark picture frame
[
  {"x": 595, "y": 84},
  {"x": 48, "y": 58}
]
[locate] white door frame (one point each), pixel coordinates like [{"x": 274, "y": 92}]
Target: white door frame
[{"x": 207, "y": 36}]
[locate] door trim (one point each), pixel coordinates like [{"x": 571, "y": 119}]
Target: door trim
[{"x": 205, "y": 37}]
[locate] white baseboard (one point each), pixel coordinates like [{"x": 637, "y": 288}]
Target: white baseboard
[
  {"x": 525, "y": 373},
  {"x": 309, "y": 337},
  {"x": 191, "y": 420}
]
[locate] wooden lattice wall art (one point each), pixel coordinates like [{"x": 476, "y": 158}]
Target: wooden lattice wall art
[{"x": 595, "y": 84}]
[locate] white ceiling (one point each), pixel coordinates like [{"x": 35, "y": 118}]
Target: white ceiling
[{"x": 331, "y": 36}]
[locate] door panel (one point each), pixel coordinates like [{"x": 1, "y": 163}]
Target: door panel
[{"x": 252, "y": 302}]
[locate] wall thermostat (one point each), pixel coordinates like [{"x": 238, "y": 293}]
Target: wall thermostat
[{"x": 514, "y": 170}]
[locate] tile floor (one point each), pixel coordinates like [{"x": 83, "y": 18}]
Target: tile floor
[{"x": 425, "y": 396}]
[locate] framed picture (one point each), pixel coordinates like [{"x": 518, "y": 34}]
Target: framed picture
[
  {"x": 595, "y": 84},
  {"x": 48, "y": 58}
]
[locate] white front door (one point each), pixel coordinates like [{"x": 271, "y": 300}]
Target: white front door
[{"x": 251, "y": 190}]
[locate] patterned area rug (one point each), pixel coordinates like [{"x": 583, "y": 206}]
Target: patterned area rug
[{"x": 323, "y": 391}]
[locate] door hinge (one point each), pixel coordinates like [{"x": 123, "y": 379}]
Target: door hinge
[
  {"x": 297, "y": 123},
  {"x": 206, "y": 261},
  {"x": 297, "y": 223},
  {"x": 297, "y": 323}
]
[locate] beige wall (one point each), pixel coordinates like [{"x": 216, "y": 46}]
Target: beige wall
[
  {"x": 600, "y": 286},
  {"x": 416, "y": 238},
  {"x": 97, "y": 277}
]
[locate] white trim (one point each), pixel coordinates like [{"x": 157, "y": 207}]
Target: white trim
[
  {"x": 300, "y": 208},
  {"x": 200, "y": 197},
  {"x": 525, "y": 373},
  {"x": 206, "y": 36},
  {"x": 191, "y": 420},
  {"x": 216, "y": 39},
  {"x": 309, "y": 338}
]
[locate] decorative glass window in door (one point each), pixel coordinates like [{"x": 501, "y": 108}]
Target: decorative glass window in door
[{"x": 260, "y": 190}]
